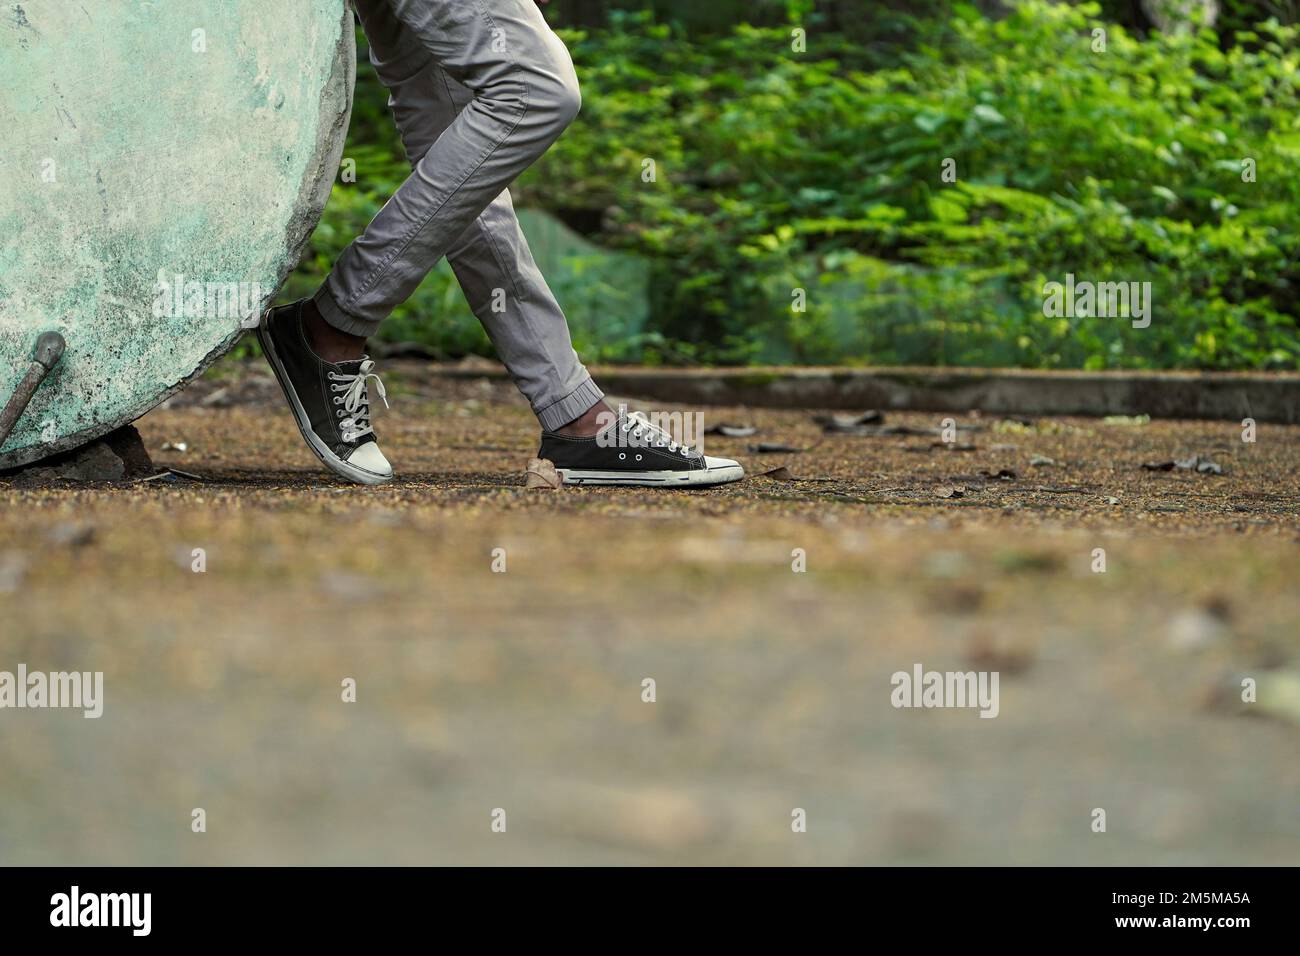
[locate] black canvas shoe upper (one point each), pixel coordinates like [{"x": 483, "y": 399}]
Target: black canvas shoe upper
[
  {"x": 335, "y": 396},
  {"x": 630, "y": 443}
]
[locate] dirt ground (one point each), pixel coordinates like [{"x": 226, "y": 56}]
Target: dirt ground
[{"x": 482, "y": 690}]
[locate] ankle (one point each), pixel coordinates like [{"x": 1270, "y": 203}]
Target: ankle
[
  {"x": 329, "y": 343},
  {"x": 589, "y": 423}
]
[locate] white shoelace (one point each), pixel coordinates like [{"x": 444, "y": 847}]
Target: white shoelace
[
  {"x": 638, "y": 426},
  {"x": 356, "y": 400}
]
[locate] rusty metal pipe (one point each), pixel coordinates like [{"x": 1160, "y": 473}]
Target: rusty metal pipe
[{"x": 49, "y": 349}]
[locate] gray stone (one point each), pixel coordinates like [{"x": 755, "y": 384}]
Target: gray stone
[{"x": 118, "y": 456}]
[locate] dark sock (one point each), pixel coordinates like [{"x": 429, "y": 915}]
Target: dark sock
[
  {"x": 310, "y": 314},
  {"x": 326, "y": 341},
  {"x": 589, "y": 422}
]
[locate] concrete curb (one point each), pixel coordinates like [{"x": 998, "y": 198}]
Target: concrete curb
[{"x": 1205, "y": 395}]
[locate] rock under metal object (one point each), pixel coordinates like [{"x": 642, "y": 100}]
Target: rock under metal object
[
  {"x": 118, "y": 456},
  {"x": 163, "y": 166}
]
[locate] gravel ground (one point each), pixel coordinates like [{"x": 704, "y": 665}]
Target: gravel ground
[{"x": 523, "y": 691}]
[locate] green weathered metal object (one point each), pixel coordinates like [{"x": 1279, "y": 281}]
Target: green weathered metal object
[{"x": 162, "y": 165}]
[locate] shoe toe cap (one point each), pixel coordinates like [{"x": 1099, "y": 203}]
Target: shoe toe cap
[
  {"x": 369, "y": 457},
  {"x": 711, "y": 463}
]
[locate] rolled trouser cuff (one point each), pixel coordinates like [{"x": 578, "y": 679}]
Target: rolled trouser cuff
[
  {"x": 337, "y": 318},
  {"x": 571, "y": 407}
]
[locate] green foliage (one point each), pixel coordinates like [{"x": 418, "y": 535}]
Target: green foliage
[{"x": 778, "y": 170}]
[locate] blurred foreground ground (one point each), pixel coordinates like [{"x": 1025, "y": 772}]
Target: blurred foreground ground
[{"x": 523, "y": 690}]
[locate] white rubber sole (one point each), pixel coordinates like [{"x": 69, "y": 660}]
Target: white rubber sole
[
  {"x": 330, "y": 460},
  {"x": 719, "y": 475}
]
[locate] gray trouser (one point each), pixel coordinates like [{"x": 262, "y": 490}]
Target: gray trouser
[{"x": 480, "y": 89}]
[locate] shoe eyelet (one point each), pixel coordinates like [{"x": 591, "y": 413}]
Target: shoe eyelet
[
  {"x": 621, "y": 456},
  {"x": 638, "y": 457}
]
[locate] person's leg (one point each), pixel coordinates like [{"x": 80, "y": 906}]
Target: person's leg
[
  {"x": 523, "y": 93},
  {"x": 507, "y": 292},
  {"x": 491, "y": 258}
]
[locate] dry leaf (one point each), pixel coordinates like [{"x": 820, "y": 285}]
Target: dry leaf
[
  {"x": 731, "y": 431},
  {"x": 848, "y": 423},
  {"x": 785, "y": 474},
  {"x": 1196, "y": 463},
  {"x": 542, "y": 474}
]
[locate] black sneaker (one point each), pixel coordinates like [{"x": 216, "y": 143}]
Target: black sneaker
[
  {"x": 632, "y": 451},
  {"x": 330, "y": 401}
]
